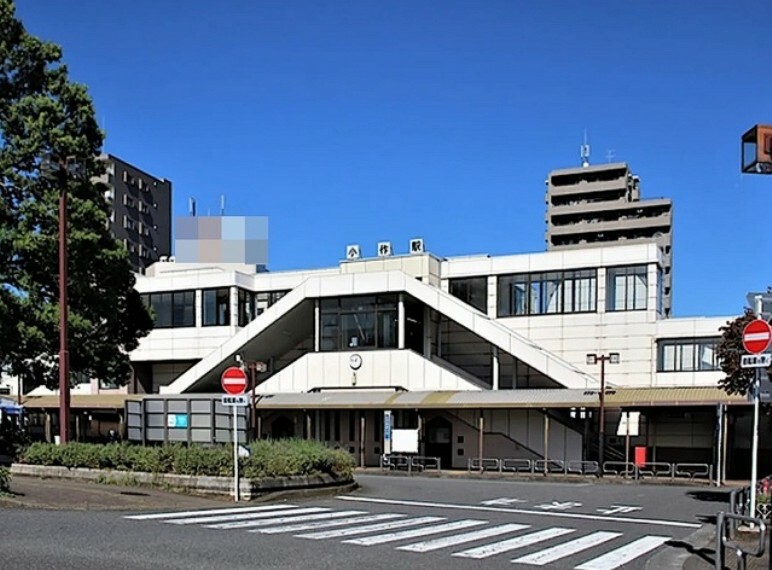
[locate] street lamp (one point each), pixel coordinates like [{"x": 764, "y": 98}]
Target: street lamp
[
  {"x": 63, "y": 167},
  {"x": 592, "y": 359}
]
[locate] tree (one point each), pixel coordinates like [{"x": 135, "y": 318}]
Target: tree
[
  {"x": 44, "y": 119},
  {"x": 730, "y": 348}
]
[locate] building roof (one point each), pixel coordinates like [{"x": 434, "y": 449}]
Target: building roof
[{"x": 81, "y": 402}]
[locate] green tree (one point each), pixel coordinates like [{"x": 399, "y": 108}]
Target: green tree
[
  {"x": 730, "y": 349},
  {"x": 45, "y": 118}
]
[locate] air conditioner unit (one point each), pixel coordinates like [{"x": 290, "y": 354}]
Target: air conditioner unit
[
  {"x": 416, "y": 245},
  {"x": 384, "y": 248},
  {"x": 353, "y": 251}
]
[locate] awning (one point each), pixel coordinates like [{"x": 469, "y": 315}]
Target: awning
[
  {"x": 10, "y": 407},
  {"x": 82, "y": 402},
  {"x": 497, "y": 399}
]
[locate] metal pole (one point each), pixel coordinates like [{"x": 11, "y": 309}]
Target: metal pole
[
  {"x": 755, "y": 451},
  {"x": 546, "y": 440},
  {"x": 480, "y": 439},
  {"x": 362, "y": 439},
  {"x": 236, "y": 453},
  {"x": 64, "y": 353},
  {"x": 602, "y": 418},
  {"x": 719, "y": 443},
  {"x": 627, "y": 439},
  {"x": 252, "y": 378}
]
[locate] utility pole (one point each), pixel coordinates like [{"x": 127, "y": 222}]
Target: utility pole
[{"x": 592, "y": 359}]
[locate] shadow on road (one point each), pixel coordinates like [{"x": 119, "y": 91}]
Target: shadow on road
[{"x": 710, "y": 496}]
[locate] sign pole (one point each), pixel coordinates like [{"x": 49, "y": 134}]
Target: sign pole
[
  {"x": 755, "y": 451},
  {"x": 236, "y": 454}
]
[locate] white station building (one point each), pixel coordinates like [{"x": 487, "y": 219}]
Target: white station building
[{"x": 485, "y": 356}]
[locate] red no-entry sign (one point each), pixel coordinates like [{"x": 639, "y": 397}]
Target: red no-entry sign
[
  {"x": 234, "y": 380},
  {"x": 757, "y": 336}
]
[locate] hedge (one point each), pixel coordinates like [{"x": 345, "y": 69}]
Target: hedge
[{"x": 280, "y": 458}]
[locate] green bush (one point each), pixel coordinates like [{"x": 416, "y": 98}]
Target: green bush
[
  {"x": 279, "y": 458},
  {"x": 5, "y": 481}
]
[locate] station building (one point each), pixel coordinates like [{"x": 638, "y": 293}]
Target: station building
[{"x": 487, "y": 356}]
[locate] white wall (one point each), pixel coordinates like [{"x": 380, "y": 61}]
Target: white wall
[{"x": 402, "y": 368}]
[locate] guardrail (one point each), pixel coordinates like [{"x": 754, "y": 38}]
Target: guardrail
[
  {"x": 724, "y": 540},
  {"x": 625, "y": 469},
  {"x": 410, "y": 463}
]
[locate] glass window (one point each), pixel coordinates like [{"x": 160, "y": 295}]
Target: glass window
[
  {"x": 216, "y": 307},
  {"x": 687, "y": 355},
  {"x": 472, "y": 291},
  {"x": 358, "y": 322},
  {"x": 265, "y": 299},
  {"x": 246, "y": 307},
  {"x": 172, "y": 309},
  {"x": 547, "y": 293},
  {"x": 626, "y": 288},
  {"x": 660, "y": 292}
]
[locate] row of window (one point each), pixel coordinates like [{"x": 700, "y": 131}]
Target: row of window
[
  {"x": 687, "y": 355},
  {"x": 178, "y": 308},
  {"x": 557, "y": 292}
]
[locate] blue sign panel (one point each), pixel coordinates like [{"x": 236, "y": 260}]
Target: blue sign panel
[
  {"x": 387, "y": 425},
  {"x": 177, "y": 420}
]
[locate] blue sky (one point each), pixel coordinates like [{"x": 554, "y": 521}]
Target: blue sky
[{"x": 359, "y": 121}]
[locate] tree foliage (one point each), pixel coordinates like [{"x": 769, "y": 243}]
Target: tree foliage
[
  {"x": 46, "y": 118},
  {"x": 730, "y": 349}
]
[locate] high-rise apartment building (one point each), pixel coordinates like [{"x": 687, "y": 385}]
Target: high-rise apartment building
[
  {"x": 595, "y": 205},
  {"x": 141, "y": 216}
]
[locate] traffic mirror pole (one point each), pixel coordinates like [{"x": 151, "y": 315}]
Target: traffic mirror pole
[{"x": 756, "y": 394}]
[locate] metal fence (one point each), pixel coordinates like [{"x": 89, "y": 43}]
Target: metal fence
[
  {"x": 576, "y": 467},
  {"x": 410, "y": 463},
  {"x": 725, "y": 525}
]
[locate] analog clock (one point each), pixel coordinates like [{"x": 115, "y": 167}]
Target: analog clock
[{"x": 355, "y": 361}]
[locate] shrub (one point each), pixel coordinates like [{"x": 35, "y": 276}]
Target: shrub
[
  {"x": 279, "y": 458},
  {"x": 5, "y": 481}
]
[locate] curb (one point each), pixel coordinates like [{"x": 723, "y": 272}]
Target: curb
[
  {"x": 249, "y": 489},
  {"x": 673, "y": 558}
]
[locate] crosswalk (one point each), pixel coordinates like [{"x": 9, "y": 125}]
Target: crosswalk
[{"x": 465, "y": 538}]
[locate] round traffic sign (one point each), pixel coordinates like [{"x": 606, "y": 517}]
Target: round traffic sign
[
  {"x": 757, "y": 335},
  {"x": 234, "y": 380}
]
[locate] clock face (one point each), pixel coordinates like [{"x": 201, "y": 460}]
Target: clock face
[{"x": 355, "y": 361}]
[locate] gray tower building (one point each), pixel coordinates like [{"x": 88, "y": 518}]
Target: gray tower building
[
  {"x": 141, "y": 216},
  {"x": 595, "y": 205}
]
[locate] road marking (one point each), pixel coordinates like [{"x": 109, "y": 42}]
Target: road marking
[
  {"x": 513, "y": 543},
  {"x": 444, "y": 542},
  {"x": 616, "y": 509},
  {"x": 240, "y": 517},
  {"x": 502, "y": 501},
  {"x": 282, "y": 520},
  {"x": 412, "y": 533},
  {"x": 625, "y": 554},
  {"x": 563, "y": 515},
  {"x": 369, "y": 528},
  {"x": 207, "y": 512},
  {"x": 567, "y": 548},
  {"x": 326, "y": 524},
  {"x": 558, "y": 506}
]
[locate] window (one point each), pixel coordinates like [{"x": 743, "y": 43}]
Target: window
[
  {"x": 472, "y": 291},
  {"x": 358, "y": 322},
  {"x": 687, "y": 355},
  {"x": 660, "y": 292},
  {"x": 172, "y": 310},
  {"x": 626, "y": 288},
  {"x": 557, "y": 292},
  {"x": 246, "y": 307},
  {"x": 265, "y": 299},
  {"x": 216, "y": 307}
]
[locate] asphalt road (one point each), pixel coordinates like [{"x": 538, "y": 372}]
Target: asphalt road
[{"x": 390, "y": 522}]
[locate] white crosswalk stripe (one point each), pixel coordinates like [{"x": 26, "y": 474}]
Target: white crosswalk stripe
[
  {"x": 413, "y": 533},
  {"x": 361, "y": 528},
  {"x": 616, "y": 558},
  {"x": 513, "y": 543},
  {"x": 245, "y": 516},
  {"x": 567, "y": 548},
  {"x": 283, "y": 520},
  {"x": 369, "y": 528},
  {"x": 456, "y": 539},
  {"x": 183, "y": 514},
  {"x": 327, "y": 524}
]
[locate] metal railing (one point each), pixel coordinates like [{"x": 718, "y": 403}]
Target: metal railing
[
  {"x": 624, "y": 469},
  {"x": 410, "y": 463},
  {"x": 724, "y": 539}
]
